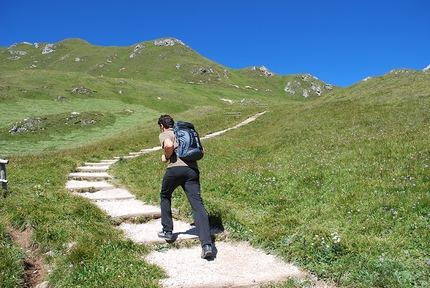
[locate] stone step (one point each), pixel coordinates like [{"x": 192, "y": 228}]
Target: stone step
[
  {"x": 125, "y": 157},
  {"x": 89, "y": 175},
  {"x": 109, "y": 161},
  {"x": 234, "y": 264},
  {"x": 101, "y": 163},
  {"x": 92, "y": 168},
  {"x": 125, "y": 209},
  {"x": 147, "y": 232},
  {"x": 75, "y": 185},
  {"x": 109, "y": 194}
]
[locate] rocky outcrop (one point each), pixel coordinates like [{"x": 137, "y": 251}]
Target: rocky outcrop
[
  {"x": 264, "y": 70},
  {"x": 168, "y": 42},
  {"x": 296, "y": 86},
  {"x": 17, "y": 52},
  {"x": 49, "y": 48},
  {"x": 137, "y": 50},
  {"x": 225, "y": 73},
  {"x": 25, "y": 125},
  {"x": 81, "y": 90},
  {"x": 305, "y": 93},
  {"x": 290, "y": 88}
]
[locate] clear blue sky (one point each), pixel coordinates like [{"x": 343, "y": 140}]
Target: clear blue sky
[{"x": 340, "y": 41}]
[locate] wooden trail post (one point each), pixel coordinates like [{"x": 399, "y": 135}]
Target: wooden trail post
[{"x": 3, "y": 179}]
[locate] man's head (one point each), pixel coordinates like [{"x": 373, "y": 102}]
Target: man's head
[{"x": 166, "y": 121}]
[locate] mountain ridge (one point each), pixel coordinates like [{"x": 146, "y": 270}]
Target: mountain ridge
[
  {"x": 160, "y": 42},
  {"x": 160, "y": 59}
]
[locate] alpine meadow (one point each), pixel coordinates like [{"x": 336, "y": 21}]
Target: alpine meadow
[{"x": 334, "y": 180}]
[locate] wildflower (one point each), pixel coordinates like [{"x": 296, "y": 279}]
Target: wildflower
[
  {"x": 82, "y": 262},
  {"x": 381, "y": 259},
  {"x": 428, "y": 262},
  {"x": 71, "y": 266},
  {"x": 406, "y": 252},
  {"x": 336, "y": 237}
]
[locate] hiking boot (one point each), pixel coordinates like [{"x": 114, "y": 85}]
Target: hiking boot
[
  {"x": 206, "y": 251},
  {"x": 166, "y": 235}
]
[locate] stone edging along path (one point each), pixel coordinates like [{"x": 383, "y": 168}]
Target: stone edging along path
[{"x": 233, "y": 264}]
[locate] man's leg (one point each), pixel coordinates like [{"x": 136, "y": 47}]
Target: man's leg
[
  {"x": 192, "y": 190},
  {"x": 169, "y": 184}
]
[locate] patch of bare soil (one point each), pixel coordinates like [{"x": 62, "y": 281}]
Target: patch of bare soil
[{"x": 35, "y": 269}]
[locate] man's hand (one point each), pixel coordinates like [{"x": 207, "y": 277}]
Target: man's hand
[{"x": 163, "y": 158}]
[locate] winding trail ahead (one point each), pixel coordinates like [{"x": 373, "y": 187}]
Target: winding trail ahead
[{"x": 233, "y": 264}]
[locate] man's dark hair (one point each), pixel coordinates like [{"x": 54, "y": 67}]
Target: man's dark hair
[{"x": 166, "y": 120}]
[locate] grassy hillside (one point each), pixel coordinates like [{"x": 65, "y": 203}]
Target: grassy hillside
[
  {"x": 338, "y": 183},
  {"x": 121, "y": 87},
  {"x": 149, "y": 61}
]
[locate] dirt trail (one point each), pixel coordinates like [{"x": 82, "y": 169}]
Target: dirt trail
[{"x": 248, "y": 120}]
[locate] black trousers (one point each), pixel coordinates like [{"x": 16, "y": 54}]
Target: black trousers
[{"x": 189, "y": 179}]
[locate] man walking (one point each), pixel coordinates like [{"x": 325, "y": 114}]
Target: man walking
[{"x": 185, "y": 174}]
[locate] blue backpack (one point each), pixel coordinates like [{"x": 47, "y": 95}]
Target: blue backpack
[{"x": 189, "y": 146}]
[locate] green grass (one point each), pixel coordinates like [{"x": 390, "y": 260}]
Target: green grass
[
  {"x": 295, "y": 184},
  {"x": 76, "y": 239},
  {"x": 68, "y": 129},
  {"x": 11, "y": 266},
  {"x": 338, "y": 184}
]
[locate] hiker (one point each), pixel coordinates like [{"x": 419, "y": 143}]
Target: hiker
[{"x": 186, "y": 175}]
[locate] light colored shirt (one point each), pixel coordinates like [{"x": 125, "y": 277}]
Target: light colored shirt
[{"x": 175, "y": 161}]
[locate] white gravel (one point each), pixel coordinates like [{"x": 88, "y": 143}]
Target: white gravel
[{"x": 233, "y": 265}]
